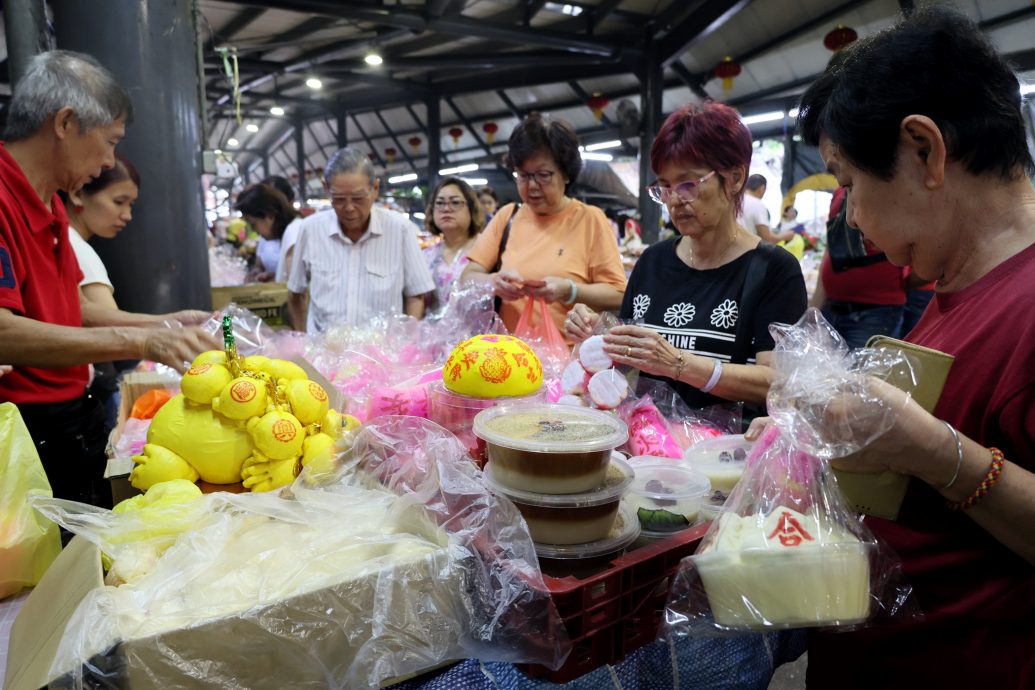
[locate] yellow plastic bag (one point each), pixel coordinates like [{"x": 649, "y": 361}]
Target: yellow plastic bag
[{"x": 29, "y": 542}]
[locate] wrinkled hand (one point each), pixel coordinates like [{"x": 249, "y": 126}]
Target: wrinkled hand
[
  {"x": 508, "y": 284},
  {"x": 643, "y": 349},
  {"x": 189, "y": 317},
  {"x": 917, "y": 443},
  {"x": 580, "y": 323},
  {"x": 552, "y": 290},
  {"x": 177, "y": 348},
  {"x": 262, "y": 474}
]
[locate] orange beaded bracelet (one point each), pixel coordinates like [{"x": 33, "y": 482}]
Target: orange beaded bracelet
[{"x": 986, "y": 484}]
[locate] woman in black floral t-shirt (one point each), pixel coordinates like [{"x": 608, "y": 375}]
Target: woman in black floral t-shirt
[{"x": 692, "y": 292}]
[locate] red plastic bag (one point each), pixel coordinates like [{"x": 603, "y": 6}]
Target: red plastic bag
[{"x": 544, "y": 337}]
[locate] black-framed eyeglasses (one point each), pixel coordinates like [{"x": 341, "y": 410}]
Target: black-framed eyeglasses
[
  {"x": 542, "y": 177},
  {"x": 687, "y": 191},
  {"x": 452, "y": 204}
]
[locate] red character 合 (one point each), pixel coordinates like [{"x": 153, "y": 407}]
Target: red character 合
[{"x": 789, "y": 531}]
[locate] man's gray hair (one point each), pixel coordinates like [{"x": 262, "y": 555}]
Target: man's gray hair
[
  {"x": 61, "y": 78},
  {"x": 349, "y": 160}
]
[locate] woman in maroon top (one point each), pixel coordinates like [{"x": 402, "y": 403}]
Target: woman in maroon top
[{"x": 923, "y": 124}]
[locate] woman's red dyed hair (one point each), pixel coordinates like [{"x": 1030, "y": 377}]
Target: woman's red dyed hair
[{"x": 711, "y": 135}]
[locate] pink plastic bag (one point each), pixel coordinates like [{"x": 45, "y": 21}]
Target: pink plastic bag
[{"x": 544, "y": 337}]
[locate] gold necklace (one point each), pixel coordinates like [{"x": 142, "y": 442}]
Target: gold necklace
[{"x": 690, "y": 249}]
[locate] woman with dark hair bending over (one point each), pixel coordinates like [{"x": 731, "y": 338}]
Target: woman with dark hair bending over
[
  {"x": 271, "y": 215},
  {"x": 938, "y": 169}
]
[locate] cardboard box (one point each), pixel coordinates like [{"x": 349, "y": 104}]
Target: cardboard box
[
  {"x": 242, "y": 651},
  {"x": 267, "y": 300}
]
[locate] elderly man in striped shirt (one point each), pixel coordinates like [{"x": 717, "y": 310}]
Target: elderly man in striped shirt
[{"x": 357, "y": 261}]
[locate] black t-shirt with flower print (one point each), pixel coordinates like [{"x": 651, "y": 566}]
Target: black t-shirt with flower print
[{"x": 698, "y": 310}]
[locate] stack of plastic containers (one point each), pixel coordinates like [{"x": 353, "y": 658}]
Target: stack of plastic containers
[
  {"x": 456, "y": 412},
  {"x": 557, "y": 464}
]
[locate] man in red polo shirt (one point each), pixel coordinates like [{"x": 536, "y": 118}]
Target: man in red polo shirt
[{"x": 65, "y": 118}]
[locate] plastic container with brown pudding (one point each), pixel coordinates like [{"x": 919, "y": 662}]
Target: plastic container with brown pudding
[
  {"x": 569, "y": 518},
  {"x": 549, "y": 449}
]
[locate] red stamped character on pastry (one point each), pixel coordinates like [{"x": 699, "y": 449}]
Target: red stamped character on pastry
[
  {"x": 789, "y": 531},
  {"x": 317, "y": 391},
  {"x": 242, "y": 391},
  {"x": 284, "y": 431}
]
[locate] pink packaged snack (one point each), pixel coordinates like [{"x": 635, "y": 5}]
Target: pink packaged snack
[
  {"x": 648, "y": 432},
  {"x": 409, "y": 400}
]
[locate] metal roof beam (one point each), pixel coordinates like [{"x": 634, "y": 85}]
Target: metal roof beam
[
  {"x": 700, "y": 24},
  {"x": 598, "y": 14},
  {"x": 581, "y": 93},
  {"x": 541, "y": 58},
  {"x": 395, "y": 139},
  {"x": 511, "y": 106},
  {"x": 237, "y": 23},
  {"x": 370, "y": 144},
  {"x": 692, "y": 81},
  {"x": 470, "y": 127},
  {"x": 453, "y": 25}
]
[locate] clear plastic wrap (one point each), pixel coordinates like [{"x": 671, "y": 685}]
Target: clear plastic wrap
[
  {"x": 225, "y": 266},
  {"x": 591, "y": 378},
  {"x": 387, "y": 562},
  {"x": 250, "y": 332},
  {"x": 662, "y": 425},
  {"x": 376, "y": 365},
  {"x": 786, "y": 549}
]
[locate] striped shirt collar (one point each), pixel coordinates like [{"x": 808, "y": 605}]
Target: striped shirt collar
[{"x": 375, "y": 227}]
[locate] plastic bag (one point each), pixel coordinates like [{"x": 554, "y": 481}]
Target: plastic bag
[
  {"x": 786, "y": 550},
  {"x": 662, "y": 425},
  {"x": 250, "y": 332},
  {"x": 340, "y": 581},
  {"x": 29, "y": 542},
  {"x": 591, "y": 378},
  {"x": 543, "y": 335}
]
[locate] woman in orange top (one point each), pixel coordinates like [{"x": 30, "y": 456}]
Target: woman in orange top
[{"x": 558, "y": 248}]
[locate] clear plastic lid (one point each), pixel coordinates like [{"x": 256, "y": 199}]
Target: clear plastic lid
[
  {"x": 666, "y": 481},
  {"x": 619, "y": 476},
  {"x": 624, "y": 531},
  {"x": 729, "y": 451},
  {"x": 546, "y": 428}
]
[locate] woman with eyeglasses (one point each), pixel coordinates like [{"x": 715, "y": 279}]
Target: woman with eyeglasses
[
  {"x": 557, "y": 248},
  {"x": 705, "y": 298},
  {"x": 455, "y": 215}
]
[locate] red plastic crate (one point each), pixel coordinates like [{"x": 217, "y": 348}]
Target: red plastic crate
[{"x": 614, "y": 611}]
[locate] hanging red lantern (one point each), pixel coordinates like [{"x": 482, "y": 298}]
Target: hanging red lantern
[
  {"x": 490, "y": 129},
  {"x": 597, "y": 103},
  {"x": 319, "y": 172},
  {"x": 839, "y": 37},
  {"x": 308, "y": 173},
  {"x": 415, "y": 143},
  {"x": 456, "y": 133},
  {"x": 294, "y": 177},
  {"x": 372, "y": 157},
  {"x": 726, "y": 71},
  {"x": 390, "y": 154}
]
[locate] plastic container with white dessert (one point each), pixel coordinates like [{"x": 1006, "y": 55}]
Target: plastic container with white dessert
[
  {"x": 722, "y": 460},
  {"x": 569, "y": 518},
  {"x": 549, "y": 449},
  {"x": 667, "y": 496}
]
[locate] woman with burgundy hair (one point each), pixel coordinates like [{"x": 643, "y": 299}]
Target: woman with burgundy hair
[{"x": 706, "y": 297}]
